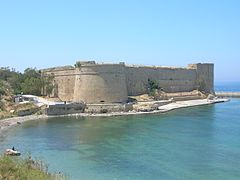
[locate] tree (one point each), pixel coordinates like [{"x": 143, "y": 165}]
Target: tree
[
  {"x": 153, "y": 86},
  {"x": 32, "y": 82},
  {"x": 29, "y": 82},
  {"x": 2, "y": 88},
  {"x": 32, "y": 86},
  {"x": 48, "y": 84},
  {"x": 32, "y": 72},
  {"x": 12, "y": 77},
  {"x": 78, "y": 64},
  {"x": 5, "y": 73}
]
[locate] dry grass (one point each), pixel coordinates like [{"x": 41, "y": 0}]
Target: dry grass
[
  {"x": 143, "y": 97},
  {"x": 23, "y": 169}
]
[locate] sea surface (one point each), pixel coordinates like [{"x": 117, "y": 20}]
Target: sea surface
[
  {"x": 191, "y": 143},
  {"x": 227, "y": 86}
]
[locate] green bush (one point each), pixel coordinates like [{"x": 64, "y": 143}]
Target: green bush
[
  {"x": 48, "y": 84},
  {"x": 32, "y": 86},
  {"x": 29, "y": 82},
  {"x": 18, "y": 168},
  {"x": 152, "y": 84},
  {"x": 12, "y": 77},
  {"x": 78, "y": 64},
  {"x": 152, "y": 87},
  {"x": 5, "y": 88},
  {"x": 2, "y": 90}
]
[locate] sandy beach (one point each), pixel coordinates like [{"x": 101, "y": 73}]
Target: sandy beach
[{"x": 6, "y": 123}]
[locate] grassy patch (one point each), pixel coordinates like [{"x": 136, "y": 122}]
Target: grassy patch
[{"x": 18, "y": 168}]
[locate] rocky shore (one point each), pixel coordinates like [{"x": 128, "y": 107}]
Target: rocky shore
[{"x": 6, "y": 123}]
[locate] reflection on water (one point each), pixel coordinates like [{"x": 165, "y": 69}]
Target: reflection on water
[{"x": 193, "y": 143}]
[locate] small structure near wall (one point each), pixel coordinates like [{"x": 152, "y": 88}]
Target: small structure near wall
[
  {"x": 25, "y": 98},
  {"x": 108, "y": 108},
  {"x": 61, "y": 109}
]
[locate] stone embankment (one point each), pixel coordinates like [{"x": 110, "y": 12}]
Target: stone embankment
[
  {"x": 4, "y": 124},
  {"x": 228, "y": 94}
]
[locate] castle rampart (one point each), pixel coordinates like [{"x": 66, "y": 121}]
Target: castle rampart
[
  {"x": 100, "y": 83},
  {"x": 113, "y": 83},
  {"x": 170, "y": 79}
]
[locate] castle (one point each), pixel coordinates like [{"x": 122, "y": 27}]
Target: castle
[{"x": 113, "y": 83}]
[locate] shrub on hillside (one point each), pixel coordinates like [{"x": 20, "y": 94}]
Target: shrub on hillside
[
  {"x": 5, "y": 88},
  {"x": 18, "y": 168},
  {"x": 29, "y": 82},
  {"x": 153, "y": 87}
]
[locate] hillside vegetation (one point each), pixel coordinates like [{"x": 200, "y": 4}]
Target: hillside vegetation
[
  {"x": 29, "y": 82},
  {"x": 6, "y": 101},
  {"x": 21, "y": 169},
  {"x": 12, "y": 83}
]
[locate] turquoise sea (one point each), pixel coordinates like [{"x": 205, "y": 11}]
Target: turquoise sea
[
  {"x": 192, "y": 143},
  {"x": 227, "y": 86}
]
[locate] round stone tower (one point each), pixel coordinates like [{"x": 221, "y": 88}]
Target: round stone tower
[{"x": 100, "y": 83}]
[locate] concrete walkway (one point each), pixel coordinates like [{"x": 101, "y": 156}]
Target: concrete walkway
[{"x": 184, "y": 104}]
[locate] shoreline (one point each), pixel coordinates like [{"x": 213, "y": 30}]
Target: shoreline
[{"x": 9, "y": 122}]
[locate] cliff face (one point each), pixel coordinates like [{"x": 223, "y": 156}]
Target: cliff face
[{"x": 109, "y": 83}]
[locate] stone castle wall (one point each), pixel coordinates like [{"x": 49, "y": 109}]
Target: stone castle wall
[
  {"x": 64, "y": 82},
  {"x": 113, "y": 83},
  {"x": 205, "y": 76},
  {"x": 100, "y": 83},
  {"x": 170, "y": 79}
]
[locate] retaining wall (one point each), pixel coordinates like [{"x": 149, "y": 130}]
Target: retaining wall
[
  {"x": 60, "y": 109},
  {"x": 106, "y": 108}
]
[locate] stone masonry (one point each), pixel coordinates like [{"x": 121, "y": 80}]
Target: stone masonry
[{"x": 113, "y": 83}]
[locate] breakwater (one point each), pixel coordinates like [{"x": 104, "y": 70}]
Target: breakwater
[{"x": 228, "y": 94}]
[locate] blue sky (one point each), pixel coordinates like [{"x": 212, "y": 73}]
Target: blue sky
[{"x": 153, "y": 32}]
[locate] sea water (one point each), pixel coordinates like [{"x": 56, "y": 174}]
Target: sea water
[
  {"x": 192, "y": 143},
  {"x": 227, "y": 86}
]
